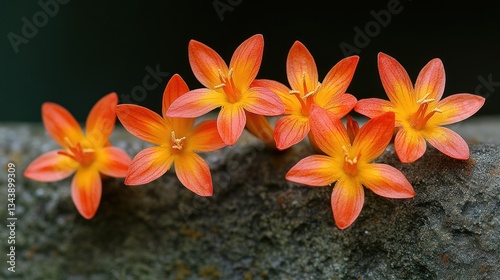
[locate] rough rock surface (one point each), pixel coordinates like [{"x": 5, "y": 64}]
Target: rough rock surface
[{"x": 257, "y": 225}]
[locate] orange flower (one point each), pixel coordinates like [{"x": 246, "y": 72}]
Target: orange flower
[
  {"x": 307, "y": 90},
  {"x": 420, "y": 112},
  {"x": 228, "y": 88},
  {"x": 176, "y": 142},
  {"x": 348, "y": 158},
  {"x": 88, "y": 155}
]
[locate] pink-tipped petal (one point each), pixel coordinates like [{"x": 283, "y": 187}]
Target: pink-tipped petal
[
  {"x": 206, "y": 63},
  {"x": 374, "y": 136},
  {"x": 246, "y": 61},
  {"x": 61, "y": 125},
  {"x": 316, "y": 171},
  {"x": 431, "y": 79},
  {"x": 113, "y": 162},
  {"x": 143, "y": 123},
  {"x": 457, "y": 107},
  {"x": 372, "y": 107},
  {"x": 50, "y": 167},
  {"x": 338, "y": 79},
  {"x": 328, "y": 131},
  {"x": 340, "y": 105},
  {"x": 409, "y": 145},
  {"x": 301, "y": 69},
  {"x": 230, "y": 123},
  {"x": 86, "y": 190},
  {"x": 347, "y": 201},
  {"x": 101, "y": 120},
  {"x": 292, "y": 105},
  {"x": 386, "y": 181},
  {"x": 205, "y": 137},
  {"x": 448, "y": 142},
  {"x": 290, "y": 130},
  {"x": 148, "y": 165},
  {"x": 395, "y": 80},
  {"x": 176, "y": 87},
  {"x": 196, "y": 103},
  {"x": 263, "y": 101},
  {"x": 194, "y": 173}
]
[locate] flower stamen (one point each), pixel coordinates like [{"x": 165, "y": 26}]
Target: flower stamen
[
  {"x": 350, "y": 164},
  {"x": 312, "y": 92},
  {"x": 227, "y": 84},
  {"x": 420, "y": 118},
  {"x": 84, "y": 156},
  {"x": 178, "y": 142}
]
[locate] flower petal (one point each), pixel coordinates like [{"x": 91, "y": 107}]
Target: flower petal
[
  {"x": 347, "y": 201},
  {"x": 290, "y": 130},
  {"x": 194, "y": 173},
  {"x": 448, "y": 142},
  {"x": 372, "y": 107},
  {"x": 292, "y": 104},
  {"x": 456, "y": 107},
  {"x": 101, "y": 120},
  {"x": 230, "y": 123},
  {"x": 340, "y": 105},
  {"x": 337, "y": 80},
  {"x": 386, "y": 181},
  {"x": 328, "y": 131},
  {"x": 395, "y": 80},
  {"x": 143, "y": 123},
  {"x": 86, "y": 190},
  {"x": 50, "y": 167},
  {"x": 205, "y": 138},
  {"x": 263, "y": 101},
  {"x": 113, "y": 162},
  {"x": 205, "y": 63},
  {"x": 259, "y": 126},
  {"x": 431, "y": 79},
  {"x": 196, "y": 103},
  {"x": 301, "y": 69},
  {"x": 409, "y": 145},
  {"x": 148, "y": 165},
  {"x": 176, "y": 87},
  {"x": 246, "y": 61},
  {"x": 61, "y": 125},
  {"x": 315, "y": 170},
  {"x": 374, "y": 136}
]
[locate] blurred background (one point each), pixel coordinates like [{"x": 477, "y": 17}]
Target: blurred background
[{"x": 74, "y": 52}]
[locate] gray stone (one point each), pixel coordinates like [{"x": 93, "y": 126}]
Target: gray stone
[{"x": 257, "y": 225}]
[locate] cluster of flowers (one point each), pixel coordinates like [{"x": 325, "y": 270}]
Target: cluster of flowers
[{"x": 308, "y": 108}]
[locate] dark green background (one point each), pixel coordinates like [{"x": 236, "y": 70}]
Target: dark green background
[{"x": 90, "y": 48}]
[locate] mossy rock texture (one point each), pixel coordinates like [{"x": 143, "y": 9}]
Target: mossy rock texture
[{"x": 257, "y": 225}]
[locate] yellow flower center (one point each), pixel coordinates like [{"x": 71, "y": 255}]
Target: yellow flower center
[
  {"x": 350, "y": 163},
  {"x": 418, "y": 119},
  {"x": 308, "y": 98},
  {"x": 84, "y": 156},
  {"x": 227, "y": 85},
  {"x": 177, "y": 143}
]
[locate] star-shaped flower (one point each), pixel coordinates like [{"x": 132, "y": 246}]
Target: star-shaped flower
[
  {"x": 348, "y": 162},
  {"x": 228, "y": 88},
  {"x": 88, "y": 155},
  {"x": 420, "y": 112},
  {"x": 307, "y": 90},
  {"x": 176, "y": 142}
]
